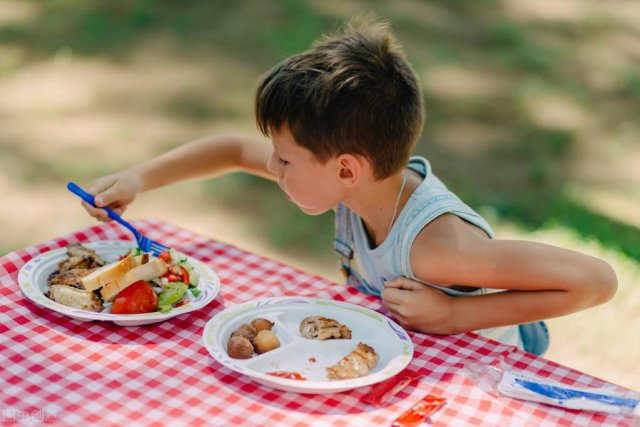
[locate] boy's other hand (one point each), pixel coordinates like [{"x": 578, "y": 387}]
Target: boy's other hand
[
  {"x": 115, "y": 191},
  {"x": 419, "y": 307}
]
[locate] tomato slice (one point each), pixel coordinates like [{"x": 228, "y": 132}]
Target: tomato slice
[
  {"x": 136, "y": 298},
  {"x": 185, "y": 274},
  {"x": 165, "y": 256}
]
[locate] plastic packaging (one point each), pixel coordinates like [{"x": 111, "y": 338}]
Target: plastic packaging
[
  {"x": 382, "y": 392},
  {"x": 420, "y": 411},
  {"x": 521, "y": 385}
]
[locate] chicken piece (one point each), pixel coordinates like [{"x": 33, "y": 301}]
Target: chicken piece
[
  {"x": 75, "y": 298},
  {"x": 80, "y": 257},
  {"x": 356, "y": 364},
  {"x": 80, "y": 250},
  {"x": 69, "y": 277},
  {"x": 323, "y": 328}
]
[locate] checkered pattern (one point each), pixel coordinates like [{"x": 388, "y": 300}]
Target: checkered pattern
[{"x": 60, "y": 371}]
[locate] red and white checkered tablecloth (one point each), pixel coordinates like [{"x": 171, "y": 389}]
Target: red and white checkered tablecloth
[{"x": 60, "y": 371}]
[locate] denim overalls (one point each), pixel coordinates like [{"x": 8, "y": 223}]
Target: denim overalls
[{"x": 391, "y": 259}]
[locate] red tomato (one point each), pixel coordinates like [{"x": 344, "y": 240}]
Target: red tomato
[
  {"x": 185, "y": 274},
  {"x": 136, "y": 298},
  {"x": 165, "y": 256}
]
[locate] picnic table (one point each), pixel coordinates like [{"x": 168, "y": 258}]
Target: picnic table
[{"x": 60, "y": 371}]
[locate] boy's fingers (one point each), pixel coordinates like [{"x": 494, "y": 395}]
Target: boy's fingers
[
  {"x": 390, "y": 304},
  {"x": 394, "y": 308},
  {"x": 106, "y": 197},
  {"x": 101, "y": 214},
  {"x": 97, "y": 213},
  {"x": 103, "y": 191},
  {"x": 403, "y": 283},
  {"x": 392, "y": 296}
]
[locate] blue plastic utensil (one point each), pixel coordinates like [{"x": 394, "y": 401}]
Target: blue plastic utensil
[
  {"x": 145, "y": 243},
  {"x": 560, "y": 393}
]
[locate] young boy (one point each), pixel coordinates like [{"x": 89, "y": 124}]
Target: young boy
[{"x": 343, "y": 118}]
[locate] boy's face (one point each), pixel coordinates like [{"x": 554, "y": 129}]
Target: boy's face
[{"x": 313, "y": 186}]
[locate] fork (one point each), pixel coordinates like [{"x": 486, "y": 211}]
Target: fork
[{"x": 145, "y": 243}]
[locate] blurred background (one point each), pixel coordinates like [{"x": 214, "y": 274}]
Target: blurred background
[{"x": 532, "y": 117}]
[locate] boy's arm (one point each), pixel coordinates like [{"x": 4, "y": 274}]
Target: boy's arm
[
  {"x": 200, "y": 158},
  {"x": 541, "y": 281},
  {"x": 206, "y": 157}
]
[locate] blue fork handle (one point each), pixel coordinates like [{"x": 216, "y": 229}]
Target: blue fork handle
[{"x": 75, "y": 189}]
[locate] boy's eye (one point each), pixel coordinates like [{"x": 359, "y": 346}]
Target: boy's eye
[{"x": 283, "y": 162}]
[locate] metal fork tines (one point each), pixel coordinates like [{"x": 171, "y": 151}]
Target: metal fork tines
[{"x": 145, "y": 243}]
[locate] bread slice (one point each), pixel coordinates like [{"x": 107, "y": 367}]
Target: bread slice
[
  {"x": 109, "y": 273},
  {"x": 152, "y": 269}
]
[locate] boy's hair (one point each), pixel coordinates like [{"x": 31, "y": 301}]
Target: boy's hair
[{"x": 352, "y": 92}]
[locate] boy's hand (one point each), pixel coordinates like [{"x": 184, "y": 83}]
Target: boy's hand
[
  {"x": 114, "y": 191},
  {"x": 419, "y": 307}
]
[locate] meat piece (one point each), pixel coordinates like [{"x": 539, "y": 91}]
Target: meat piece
[
  {"x": 323, "y": 328},
  {"x": 69, "y": 277},
  {"x": 75, "y": 298},
  {"x": 356, "y": 364},
  {"x": 80, "y": 250},
  {"x": 80, "y": 257}
]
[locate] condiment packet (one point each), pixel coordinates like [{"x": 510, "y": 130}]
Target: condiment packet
[
  {"x": 383, "y": 391},
  {"x": 420, "y": 411}
]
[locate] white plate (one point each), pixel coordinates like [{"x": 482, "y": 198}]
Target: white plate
[
  {"x": 32, "y": 279},
  {"x": 305, "y": 356}
]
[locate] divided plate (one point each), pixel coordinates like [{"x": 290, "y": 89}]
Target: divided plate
[{"x": 310, "y": 358}]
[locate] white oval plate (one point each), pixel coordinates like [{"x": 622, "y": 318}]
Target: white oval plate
[
  {"x": 305, "y": 356},
  {"x": 32, "y": 279}
]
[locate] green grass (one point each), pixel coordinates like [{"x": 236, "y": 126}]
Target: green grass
[
  {"x": 537, "y": 57},
  {"x": 564, "y": 212},
  {"x": 284, "y": 224}
]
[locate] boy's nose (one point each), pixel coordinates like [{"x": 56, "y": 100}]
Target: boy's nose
[{"x": 272, "y": 166}]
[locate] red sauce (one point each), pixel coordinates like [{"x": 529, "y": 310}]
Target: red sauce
[
  {"x": 312, "y": 359},
  {"x": 287, "y": 375}
]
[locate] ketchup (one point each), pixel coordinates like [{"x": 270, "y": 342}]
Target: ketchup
[{"x": 287, "y": 375}]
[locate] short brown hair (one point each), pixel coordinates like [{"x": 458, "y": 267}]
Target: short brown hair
[{"x": 352, "y": 92}]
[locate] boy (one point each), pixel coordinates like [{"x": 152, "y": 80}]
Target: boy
[{"x": 343, "y": 118}]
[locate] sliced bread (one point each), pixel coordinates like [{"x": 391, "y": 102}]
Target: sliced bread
[
  {"x": 108, "y": 273},
  {"x": 152, "y": 269}
]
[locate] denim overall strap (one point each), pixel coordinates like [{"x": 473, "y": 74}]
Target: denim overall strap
[
  {"x": 535, "y": 337},
  {"x": 343, "y": 247}
]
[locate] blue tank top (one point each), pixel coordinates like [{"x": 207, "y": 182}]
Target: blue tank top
[{"x": 392, "y": 257}]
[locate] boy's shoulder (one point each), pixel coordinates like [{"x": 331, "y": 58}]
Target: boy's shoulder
[
  {"x": 448, "y": 242},
  {"x": 448, "y": 231}
]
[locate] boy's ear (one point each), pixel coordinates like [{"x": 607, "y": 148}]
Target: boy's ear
[{"x": 351, "y": 168}]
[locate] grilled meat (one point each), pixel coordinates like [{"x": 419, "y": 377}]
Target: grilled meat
[
  {"x": 75, "y": 298},
  {"x": 80, "y": 257},
  {"x": 356, "y": 364},
  {"x": 69, "y": 277},
  {"x": 323, "y": 328}
]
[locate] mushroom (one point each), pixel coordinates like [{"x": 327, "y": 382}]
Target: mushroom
[
  {"x": 265, "y": 341},
  {"x": 239, "y": 348}
]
